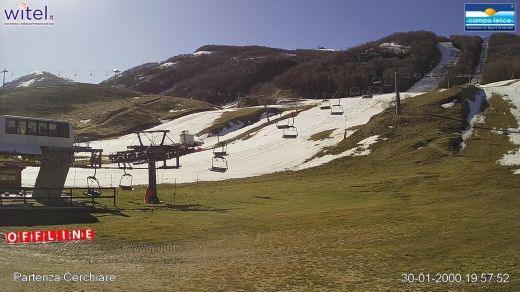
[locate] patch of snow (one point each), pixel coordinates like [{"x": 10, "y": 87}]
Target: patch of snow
[
  {"x": 500, "y": 84},
  {"x": 168, "y": 64},
  {"x": 473, "y": 115},
  {"x": 84, "y": 122},
  {"x": 200, "y": 53},
  {"x": 362, "y": 149},
  {"x": 26, "y": 83},
  {"x": 327, "y": 49},
  {"x": 510, "y": 91},
  {"x": 136, "y": 97},
  {"x": 230, "y": 105},
  {"x": 395, "y": 48},
  {"x": 449, "y": 104},
  {"x": 265, "y": 115},
  {"x": 480, "y": 119},
  {"x": 234, "y": 126}
]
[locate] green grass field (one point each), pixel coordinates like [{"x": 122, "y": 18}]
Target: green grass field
[{"x": 415, "y": 204}]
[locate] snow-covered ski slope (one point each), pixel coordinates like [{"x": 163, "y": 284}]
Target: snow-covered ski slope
[
  {"x": 510, "y": 90},
  {"x": 264, "y": 151},
  {"x": 449, "y": 55}
]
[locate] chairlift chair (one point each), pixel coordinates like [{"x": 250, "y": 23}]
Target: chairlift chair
[
  {"x": 93, "y": 186},
  {"x": 220, "y": 149},
  {"x": 336, "y": 110},
  {"x": 325, "y": 104},
  {"x": 354, "y": 91},
  {"x": 219, "y": 164},
  {"x": 126, "y": 182},
  {"x": 376, "y": 80},
  {"x": 284, "y": 124},
  {"x": 290, "y": 132}
]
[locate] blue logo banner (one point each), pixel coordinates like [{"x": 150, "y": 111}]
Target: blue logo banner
[{"x": 490, "y": 17}]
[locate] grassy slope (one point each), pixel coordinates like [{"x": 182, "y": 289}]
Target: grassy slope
[
  {"x": 353, "y": 224},
  {"x": 111, "y": 111},
  {"x": 321, "y": 135},
  {"x": 245, "y": 115}
]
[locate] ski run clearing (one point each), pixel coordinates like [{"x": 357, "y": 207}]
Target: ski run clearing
[{"x": 449, "y": 55}]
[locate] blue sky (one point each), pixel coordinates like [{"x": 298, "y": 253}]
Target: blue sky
[{"x": 100, "y": 35}]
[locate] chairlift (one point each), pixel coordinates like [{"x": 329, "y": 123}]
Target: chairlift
[
  {"x": 219, "y": 164},
  {"x": 126, "y": 182},
  {"x": 284, "y": 124},
  {"x": 354, "y": 91},
  {"x": 290, "y": 132},
  {"x": 93, "y": 186},
  {"x": 336, "y": 110},
  {"x": 376, "y": 80},
  {"x": 417, "y": 75},
  {"x": 325, "y": 104},
  {"x": 220, "y": 149}
]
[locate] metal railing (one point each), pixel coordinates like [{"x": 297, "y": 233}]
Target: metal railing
[{"x": 46, "y": 197}]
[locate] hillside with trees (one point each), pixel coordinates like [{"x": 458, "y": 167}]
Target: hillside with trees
[
  {"x": 218, "y": 74},
  {"x": 503, "y": 58},
  {"x": 363, "y": 66}
]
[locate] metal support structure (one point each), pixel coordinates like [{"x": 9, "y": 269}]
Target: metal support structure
[
  {"x": 397, "y": 97},
  {"x": 156, "y": 151},
  {"x": 152, "y": 182},
  {"x": 3, "y": 81},
  {"x": 116, "y": 71}
]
